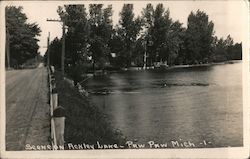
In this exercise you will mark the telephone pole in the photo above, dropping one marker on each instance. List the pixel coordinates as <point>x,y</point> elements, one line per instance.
<point>7,44</point>
<point>48,51</point>
<point>63,49</point>
<point>145,56</point>
<point>145,50</point>
<point>63,43</point>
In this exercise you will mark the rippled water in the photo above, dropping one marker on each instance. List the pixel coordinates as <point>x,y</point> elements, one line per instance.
<point>181,104</point>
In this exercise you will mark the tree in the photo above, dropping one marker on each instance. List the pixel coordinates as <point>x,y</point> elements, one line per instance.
<point>22,36</point>
<point>236,51</point>
<point>55,52</point>
<point>175,42</point>
<point>75,18</point>
<point>101,30</point>
<point>128,29</point>
<point>228,45</point>
<point>161,27</point>
<point>117,46</point>
<point>219,53</point>
<point>147,25</point>
<point>77,39</point>
<point>147,16</point>
<point>163,36</point>
<point>199,37</point>
<point>225,49</point>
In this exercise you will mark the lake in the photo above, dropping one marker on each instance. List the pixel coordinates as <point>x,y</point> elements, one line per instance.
<point>201,105</point>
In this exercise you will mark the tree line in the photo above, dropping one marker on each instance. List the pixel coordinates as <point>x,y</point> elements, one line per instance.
<point>21,38</point>
<point>93,42</point>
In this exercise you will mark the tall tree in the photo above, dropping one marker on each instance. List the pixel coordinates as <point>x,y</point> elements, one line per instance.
<point>148,23</point>
<point>228,45</point>
<point>101,30</point>
<point>174,43</point>
<point>22,36</point>
<point>55,52</point>
<point>199,37</point>
<point>117,46</point>
<point>129,29</point>
<point>75,18</point>
<point>162,23</point>
<point>147,16</point>
<point>164,37</point>
<point>77,39</point>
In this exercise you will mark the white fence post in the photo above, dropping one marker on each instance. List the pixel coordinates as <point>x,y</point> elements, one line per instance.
<point>54,98</point>
<point>57,113</point>
<point>52,68</point>
<point>51,86</point>
<point>59,118</point>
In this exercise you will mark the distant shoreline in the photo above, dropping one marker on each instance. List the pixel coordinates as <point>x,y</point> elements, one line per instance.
<point>207,64</point>
<point>176,66</point>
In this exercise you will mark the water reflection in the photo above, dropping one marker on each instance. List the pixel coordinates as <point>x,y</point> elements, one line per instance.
<point>194,104</point>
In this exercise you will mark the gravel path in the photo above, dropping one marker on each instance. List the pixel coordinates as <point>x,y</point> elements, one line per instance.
<point>27,111</point>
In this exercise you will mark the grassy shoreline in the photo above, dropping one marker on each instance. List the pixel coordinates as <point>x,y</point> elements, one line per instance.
<point>84,122</point>
<point>137,68</point>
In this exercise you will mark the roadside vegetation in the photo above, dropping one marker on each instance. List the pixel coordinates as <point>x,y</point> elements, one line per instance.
<point>21,39</point>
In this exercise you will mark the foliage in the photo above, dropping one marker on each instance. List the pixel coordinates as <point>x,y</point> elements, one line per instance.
<point>75,19</point>
<point>91,38</point>
<point>22,36</point>
<point>160,29</point>
<point>199,37</point>
<point>163,36</point>
<point>225,49</point>
<point>128,32</point>
<point>55,48</point>
<point>175,42</point>
<point>101,30</point>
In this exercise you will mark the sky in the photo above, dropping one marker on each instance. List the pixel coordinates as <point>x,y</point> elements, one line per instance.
<point>227,16</point>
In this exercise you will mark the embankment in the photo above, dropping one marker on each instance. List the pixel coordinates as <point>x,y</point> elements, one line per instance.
<point>84,123</point>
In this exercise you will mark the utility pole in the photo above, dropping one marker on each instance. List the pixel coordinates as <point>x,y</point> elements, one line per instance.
<point>145,57</point>
<point>145,52</point>
<point>63,49</point>
<point>48,51</point>
<point>7,44</point>
<point>63,43</point>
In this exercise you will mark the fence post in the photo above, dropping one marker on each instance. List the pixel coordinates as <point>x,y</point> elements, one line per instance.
<point>52,69</point>
<point>52,102</point>
<point>57,112</point>
<point>59,119</point>
<point>53,84</point>
<point>54,98</point>
<point>51,108</point>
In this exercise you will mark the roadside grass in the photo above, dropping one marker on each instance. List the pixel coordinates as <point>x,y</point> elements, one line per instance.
<point>84,123</point>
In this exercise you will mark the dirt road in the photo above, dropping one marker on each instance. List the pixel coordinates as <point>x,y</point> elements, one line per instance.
<point>27,111</point>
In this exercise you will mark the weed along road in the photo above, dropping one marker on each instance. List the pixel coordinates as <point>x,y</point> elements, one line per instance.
<point>27,110</point>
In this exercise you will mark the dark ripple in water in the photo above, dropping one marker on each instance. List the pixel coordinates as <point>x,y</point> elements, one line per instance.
<point>107,90</point>
<point>165,84</point>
